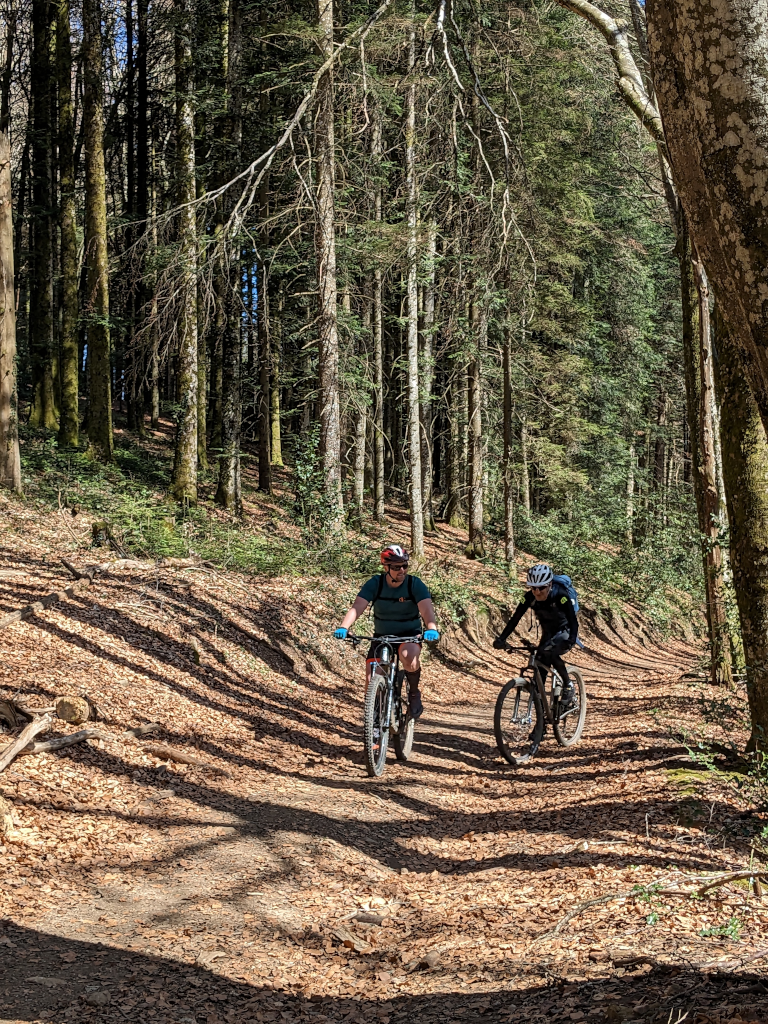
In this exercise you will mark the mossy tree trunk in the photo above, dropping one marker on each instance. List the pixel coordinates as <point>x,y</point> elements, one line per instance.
<point>69,424</point>
<point>476,545</point>
<point>96,257</point>
<point>184,482</point>
<point>10,468</point>
<point>427,378</point>
<point>509,507</point>
<point>745,470</point>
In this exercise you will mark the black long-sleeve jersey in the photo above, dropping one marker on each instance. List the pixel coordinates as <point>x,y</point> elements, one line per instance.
<point>555,613</point>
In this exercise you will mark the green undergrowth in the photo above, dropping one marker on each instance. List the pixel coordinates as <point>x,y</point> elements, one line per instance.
<point>131,495</point>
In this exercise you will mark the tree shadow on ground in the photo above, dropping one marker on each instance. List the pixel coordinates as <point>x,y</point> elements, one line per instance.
<point>50,978</point>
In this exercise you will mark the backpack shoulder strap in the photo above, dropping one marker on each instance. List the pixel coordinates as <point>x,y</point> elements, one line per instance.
<point>410,589</point>
<point>379,588</point>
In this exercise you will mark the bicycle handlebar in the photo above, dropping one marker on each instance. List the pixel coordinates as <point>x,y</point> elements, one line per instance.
<point>385,639</point>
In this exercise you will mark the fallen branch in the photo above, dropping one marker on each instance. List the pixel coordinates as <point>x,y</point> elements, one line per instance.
<point>27,735</point>
<point>64,741</point>
<point>141,730</point>
<point>732,876</point>
<point>171,754</point>
<point>38,606</point>
<point>733,965</point>
<point>578,910</point>
<point>87,575</point>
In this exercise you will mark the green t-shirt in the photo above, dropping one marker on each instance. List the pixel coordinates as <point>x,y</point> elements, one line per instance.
<point>394,613</point>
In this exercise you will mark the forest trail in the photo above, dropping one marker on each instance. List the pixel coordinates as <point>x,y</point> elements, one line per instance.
<point>132,889</point>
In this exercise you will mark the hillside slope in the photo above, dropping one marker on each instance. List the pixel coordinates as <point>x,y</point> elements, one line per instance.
<point>136,888</point>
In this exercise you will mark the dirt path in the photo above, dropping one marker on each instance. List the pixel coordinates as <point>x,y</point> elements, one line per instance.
<point>294,888</point>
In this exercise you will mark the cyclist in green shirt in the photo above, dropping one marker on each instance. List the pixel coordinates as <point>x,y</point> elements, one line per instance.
<point>400,603</point>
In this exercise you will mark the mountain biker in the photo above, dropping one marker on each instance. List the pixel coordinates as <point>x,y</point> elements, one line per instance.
<point>552,606</point>
<point>400,602</point>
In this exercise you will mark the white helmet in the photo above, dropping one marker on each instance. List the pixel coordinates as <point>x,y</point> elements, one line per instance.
<point>540,575</point>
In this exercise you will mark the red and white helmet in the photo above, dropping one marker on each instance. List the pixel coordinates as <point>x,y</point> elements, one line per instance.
<point>394,555</point>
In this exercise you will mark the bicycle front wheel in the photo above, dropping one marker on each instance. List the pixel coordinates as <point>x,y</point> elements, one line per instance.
<point>518,721</point>
<point>569,727</point>
<point>375,725</point>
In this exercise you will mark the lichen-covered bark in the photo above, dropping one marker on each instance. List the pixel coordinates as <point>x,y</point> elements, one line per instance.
<point>476,545</point>
<point>745,467</point>
<point>710,70</point>
<point>427,377</point>
<point>509,507</point>
<point>97,263</point>
<point>69,424</point>
<point>184,483</point>
<point>10,468</point>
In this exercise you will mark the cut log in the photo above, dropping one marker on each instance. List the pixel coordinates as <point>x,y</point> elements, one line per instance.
<point>27,735</point>
<point>74,710</point>
<point>166,753</point>
<point>141,730</point>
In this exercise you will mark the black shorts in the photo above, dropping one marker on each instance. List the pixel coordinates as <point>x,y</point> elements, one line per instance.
<point>375,645</point>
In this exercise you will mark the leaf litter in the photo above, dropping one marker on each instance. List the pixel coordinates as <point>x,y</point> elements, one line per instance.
<point>269,879</point>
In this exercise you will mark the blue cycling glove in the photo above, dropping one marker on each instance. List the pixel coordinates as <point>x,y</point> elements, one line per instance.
<point>430,635</point>
<point>341,633</point>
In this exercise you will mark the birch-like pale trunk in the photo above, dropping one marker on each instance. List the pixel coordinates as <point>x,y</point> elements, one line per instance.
<point>184,482</point>
<point>69,422</point>
<point>412,344</point>
<point>525,473</point>
<point>96,255</point>
<point>630,531</point>
<point>275,418</point>
<point>325,251</point>
<point>10,466</point>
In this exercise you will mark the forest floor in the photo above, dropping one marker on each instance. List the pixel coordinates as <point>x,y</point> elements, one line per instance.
<point>134,889</point>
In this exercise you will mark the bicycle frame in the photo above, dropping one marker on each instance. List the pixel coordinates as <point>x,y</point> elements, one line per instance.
<point>540,673</point>
<point>388,656</point>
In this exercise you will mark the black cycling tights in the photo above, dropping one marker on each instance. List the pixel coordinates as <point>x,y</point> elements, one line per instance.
<point>554,657</point>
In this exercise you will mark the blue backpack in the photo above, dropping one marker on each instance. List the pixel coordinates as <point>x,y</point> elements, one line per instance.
<point>567,584</point>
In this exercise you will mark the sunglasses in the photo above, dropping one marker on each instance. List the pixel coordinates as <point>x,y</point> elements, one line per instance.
<point>398,568</point>
<point>538,590</point>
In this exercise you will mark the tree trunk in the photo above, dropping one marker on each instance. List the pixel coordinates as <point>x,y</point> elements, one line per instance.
<point>427,378</point>
<point>525,480</point>
<point>509,505</point>
<point>184,483</point>
<point>10,467</point>
<point>228,493</point>
<point>710,71</point>
<point>325,248</point>
<point>630,534</point>
<point>453,510</point>
<point>265,368</point>
<point>476,545</point>
<point>44,411</point>
<point>96,255</point>
<point>412,353</point>
<point>720,644</point>
<point>69,426</point>
<point>5,101</point>
<point>745,468</point>
<point>276,448</point>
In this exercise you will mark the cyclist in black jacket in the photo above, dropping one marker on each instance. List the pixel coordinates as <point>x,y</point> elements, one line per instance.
<point>553,608</point>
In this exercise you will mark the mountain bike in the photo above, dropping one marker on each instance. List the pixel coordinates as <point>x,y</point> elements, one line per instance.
<point>523,709</point>
<point>386,710</point>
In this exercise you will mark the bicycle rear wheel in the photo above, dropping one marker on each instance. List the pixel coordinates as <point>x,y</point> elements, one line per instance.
<point>375,726</point>
<point>569,727</point>
<point>518,721</point>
